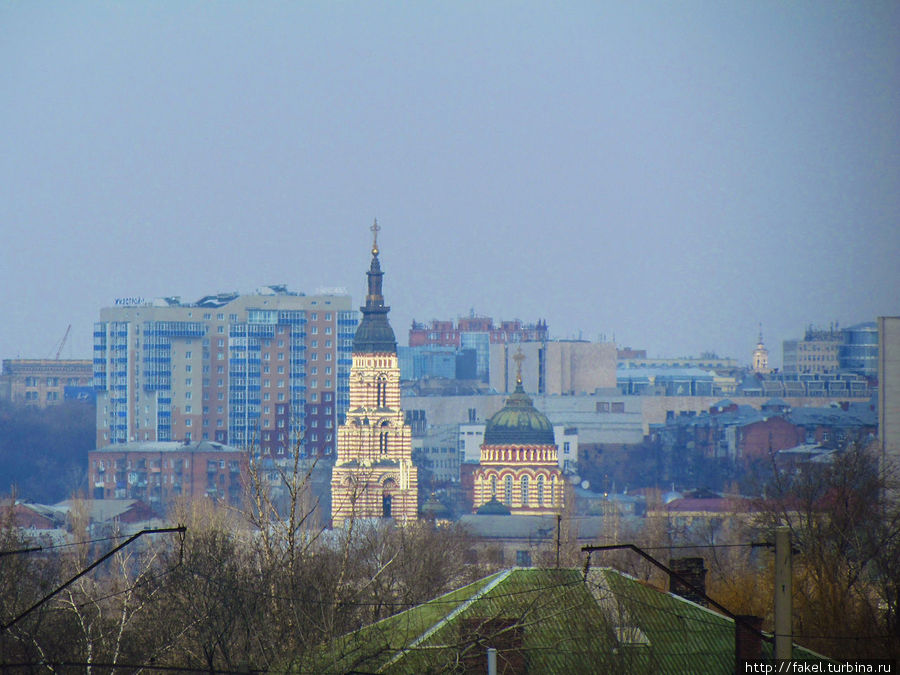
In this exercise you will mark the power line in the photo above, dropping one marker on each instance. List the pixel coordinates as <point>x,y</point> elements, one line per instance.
<point>181,529</point>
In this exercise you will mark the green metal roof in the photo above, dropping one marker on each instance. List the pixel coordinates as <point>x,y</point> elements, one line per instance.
<point>518,423</point>
<point>545,621</point>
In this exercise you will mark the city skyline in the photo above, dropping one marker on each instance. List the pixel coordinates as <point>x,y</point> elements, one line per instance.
<point>670,177</point>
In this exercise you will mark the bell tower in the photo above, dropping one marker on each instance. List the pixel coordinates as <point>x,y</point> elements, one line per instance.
<point>374,476</point>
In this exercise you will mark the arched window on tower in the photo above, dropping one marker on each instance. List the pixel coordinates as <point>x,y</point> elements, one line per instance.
<point>493,486</point>
<point>540,491</point>
<point>383,443</point>
<point>507,490</point>
<point>524,490</point>
<point>381,392</point>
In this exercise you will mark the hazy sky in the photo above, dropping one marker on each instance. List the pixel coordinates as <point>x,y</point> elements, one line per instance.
<point>668,173</point>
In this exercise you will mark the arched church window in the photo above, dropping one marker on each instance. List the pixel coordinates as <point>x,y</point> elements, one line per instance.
<point>493,486</point>
<point>540,491</point>
<point>507,490</point>
<point>381,392</point>
<point>524,490</point>
<point>383,442</point>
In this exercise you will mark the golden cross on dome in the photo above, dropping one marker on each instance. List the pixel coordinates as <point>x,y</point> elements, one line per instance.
<point>375,230</point>
<point>518,357</point>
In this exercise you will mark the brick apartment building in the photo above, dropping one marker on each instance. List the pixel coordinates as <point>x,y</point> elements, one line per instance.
<point>158,472</point>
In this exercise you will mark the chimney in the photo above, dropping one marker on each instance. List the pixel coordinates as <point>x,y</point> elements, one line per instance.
<point>693,571</point>
<point>747,639</point>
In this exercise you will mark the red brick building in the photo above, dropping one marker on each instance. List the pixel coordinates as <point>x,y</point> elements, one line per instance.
<point>158,472</point>
<point>446,334</point>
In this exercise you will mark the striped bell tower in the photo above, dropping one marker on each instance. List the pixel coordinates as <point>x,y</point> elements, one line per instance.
<point>374,476</point>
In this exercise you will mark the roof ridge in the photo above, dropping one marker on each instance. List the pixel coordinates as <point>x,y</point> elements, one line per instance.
<point>449,617</point>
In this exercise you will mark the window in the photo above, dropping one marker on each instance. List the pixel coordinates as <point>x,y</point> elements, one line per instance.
<point>314,370</point>
<point>220,329</point>
<point>187,409</point>
<point>220,316</point>
<point>566,447</point>
<point>493,486</point>
<point>187,355</point>
<point>281,396</point>
<point>523,559</point>
<point>221,396</point>
<point>221,342</point>
<point>281,370</point>
<point>220,370</point>
<point>267,396</point>
<point>507,490</point>
<point>540,491</point>
<point>187,396</point>
<point>314,343</point>
<point>618,407</point>
<point>281,356</point>
<point>524,490</point>
<point>188,382</point>
<point>187,422</point>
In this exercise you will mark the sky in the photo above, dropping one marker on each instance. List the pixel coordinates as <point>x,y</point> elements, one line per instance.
<point>668,175</point>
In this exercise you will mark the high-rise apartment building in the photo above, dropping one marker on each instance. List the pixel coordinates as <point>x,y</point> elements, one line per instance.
<point>268,370</point>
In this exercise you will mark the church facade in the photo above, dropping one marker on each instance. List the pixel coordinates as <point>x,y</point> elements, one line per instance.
<point>374,476</point>
<point>519,469</point>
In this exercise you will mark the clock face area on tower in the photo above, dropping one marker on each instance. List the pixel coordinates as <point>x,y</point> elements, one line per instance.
<point>374,476</point>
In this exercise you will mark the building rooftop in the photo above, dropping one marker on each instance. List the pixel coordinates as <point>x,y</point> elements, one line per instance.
<point>547,621</point>
<point>169,446</point>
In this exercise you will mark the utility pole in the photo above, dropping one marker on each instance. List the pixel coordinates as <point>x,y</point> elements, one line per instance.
<point>558,521</point>
<point>783,618</point>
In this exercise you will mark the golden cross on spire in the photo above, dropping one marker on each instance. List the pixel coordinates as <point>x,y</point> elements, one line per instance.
<point>518,357</point>
<point>375,230</point>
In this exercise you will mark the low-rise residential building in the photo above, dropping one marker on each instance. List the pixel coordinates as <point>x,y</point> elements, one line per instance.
<point>158,472</point>
<point>44,382</point>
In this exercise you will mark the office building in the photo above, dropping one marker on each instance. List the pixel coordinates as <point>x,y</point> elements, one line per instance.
<point>266,371</point>
<point>477,333</point>
<point>859,351</point>
<point>562,367</point>
<point>817,352</point>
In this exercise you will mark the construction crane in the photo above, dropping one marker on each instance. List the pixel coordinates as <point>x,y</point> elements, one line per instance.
<point>62,343</point>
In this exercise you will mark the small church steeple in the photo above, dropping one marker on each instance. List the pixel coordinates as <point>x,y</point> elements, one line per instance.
<point>761,355</point>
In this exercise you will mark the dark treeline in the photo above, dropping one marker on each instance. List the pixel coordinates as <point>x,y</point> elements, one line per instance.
<point>44,451</point>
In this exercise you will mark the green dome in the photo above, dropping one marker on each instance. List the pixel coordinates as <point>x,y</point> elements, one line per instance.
<point>518,423</point>
<point>493,508</point>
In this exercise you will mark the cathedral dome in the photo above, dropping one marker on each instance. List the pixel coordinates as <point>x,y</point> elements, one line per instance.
<point>519,423</point>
